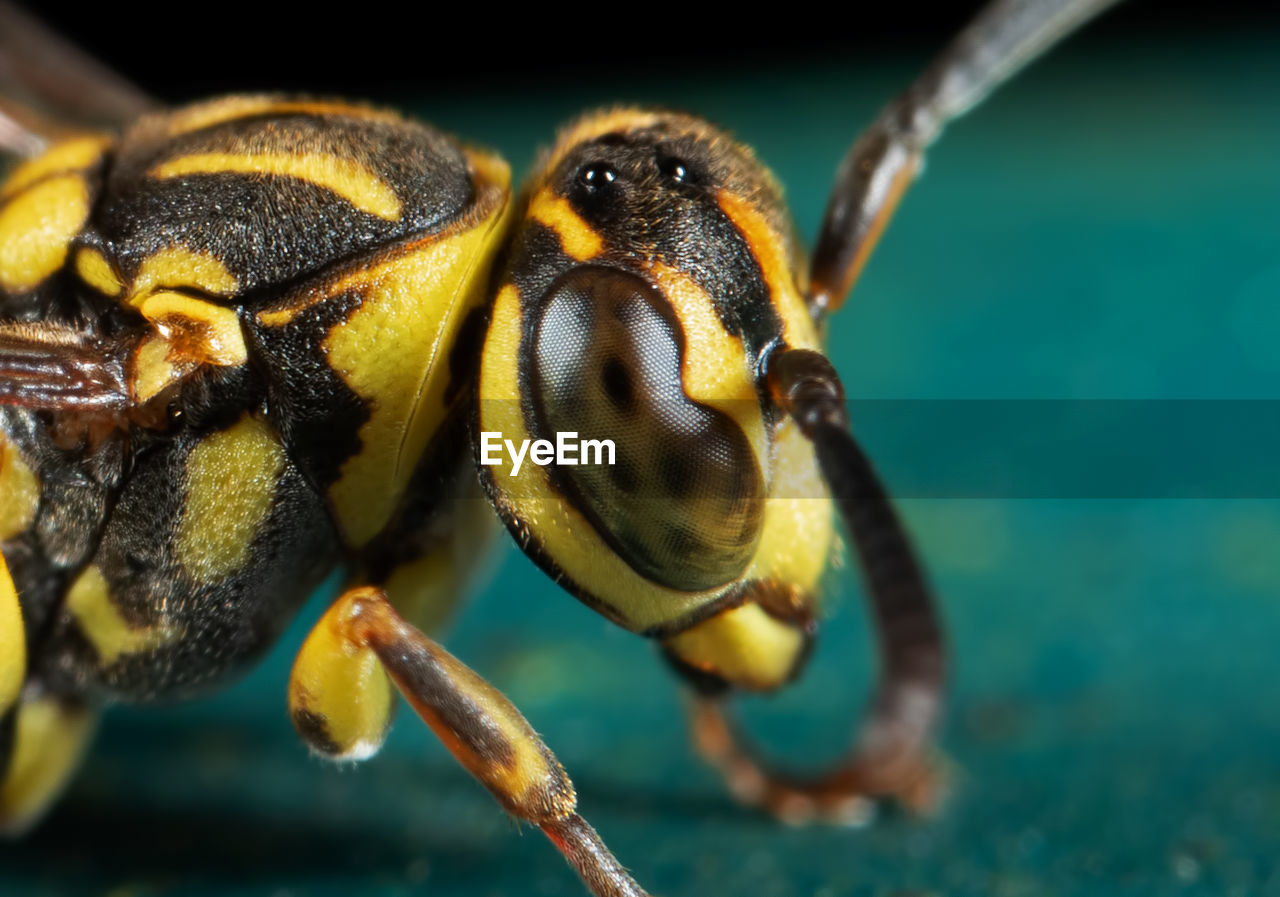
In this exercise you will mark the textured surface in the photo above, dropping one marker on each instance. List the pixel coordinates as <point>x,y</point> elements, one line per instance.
<point>1106,228</point>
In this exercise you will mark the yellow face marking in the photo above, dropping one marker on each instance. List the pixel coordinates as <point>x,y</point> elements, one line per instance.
<point>19,492</point>
<point>770,250</point>
<point>743,645</point>
<point>68,156</point>
<point>37,226</point>
<point>798,528</point>
<point>393,351</point>
<point>89,602</point>
<point>96,271</point>
<point>207,115</point>
<point>231,484</point>
<point>49,742</point>
<point>176,267</point>
<point>13,641</point>
<point>349,179</point>
<point>339,688</point>
<point>577,238</point>
<point>715,370</point>
<point>565,535</point>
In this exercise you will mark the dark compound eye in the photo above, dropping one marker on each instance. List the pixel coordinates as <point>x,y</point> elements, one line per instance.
<point>678,170</point>
<point>596,176</point>
<point>683,503</point>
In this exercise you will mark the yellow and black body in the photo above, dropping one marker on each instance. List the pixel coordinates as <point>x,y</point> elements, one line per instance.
<point>257,339</point>
<point>261,300</point>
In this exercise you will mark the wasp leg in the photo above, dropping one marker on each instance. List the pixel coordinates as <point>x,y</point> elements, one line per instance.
<point>42,737</point>
<point>892,755</point>
<point>340,699</point>
<point>476,722</point>
<point>48,738</point>
<point>883,161</point>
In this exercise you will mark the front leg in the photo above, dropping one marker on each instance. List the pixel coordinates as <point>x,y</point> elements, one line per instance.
<point>362,634</point>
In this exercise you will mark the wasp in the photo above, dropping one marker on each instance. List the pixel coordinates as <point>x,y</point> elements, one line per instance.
<point>256,339</point>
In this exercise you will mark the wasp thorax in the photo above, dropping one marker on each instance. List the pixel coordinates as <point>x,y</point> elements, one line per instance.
<point>682,503</point>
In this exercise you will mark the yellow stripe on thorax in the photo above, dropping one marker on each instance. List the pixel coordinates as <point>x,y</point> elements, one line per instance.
<point>189,332</point>
<point>231,479</point>
<point>212,331</point>
<point>68,156</point>
<point>349,179</point>
<point>37,227</point>
<point>99,620</point>
<point>96,271</point>
<point>13,641</point>
<point>177,267</point>
<point>19,491</point>
<point>393,353</point>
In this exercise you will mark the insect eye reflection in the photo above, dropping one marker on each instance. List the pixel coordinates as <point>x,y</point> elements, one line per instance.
<point>678,170</point>
<point>595,177</point>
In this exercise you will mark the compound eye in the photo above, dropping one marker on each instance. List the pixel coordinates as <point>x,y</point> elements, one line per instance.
<point>682,502</point>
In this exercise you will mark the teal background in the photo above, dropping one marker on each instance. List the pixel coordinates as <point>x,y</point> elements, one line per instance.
<point>1107,227</point>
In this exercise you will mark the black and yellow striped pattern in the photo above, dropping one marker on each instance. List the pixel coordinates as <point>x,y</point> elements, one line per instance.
<point>289,279</point>
<point>297,291</point>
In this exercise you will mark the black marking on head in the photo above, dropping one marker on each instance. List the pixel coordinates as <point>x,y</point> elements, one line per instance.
<point>660,201</point>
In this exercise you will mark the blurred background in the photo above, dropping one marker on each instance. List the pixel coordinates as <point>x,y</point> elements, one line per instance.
<point>1107,227</point>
